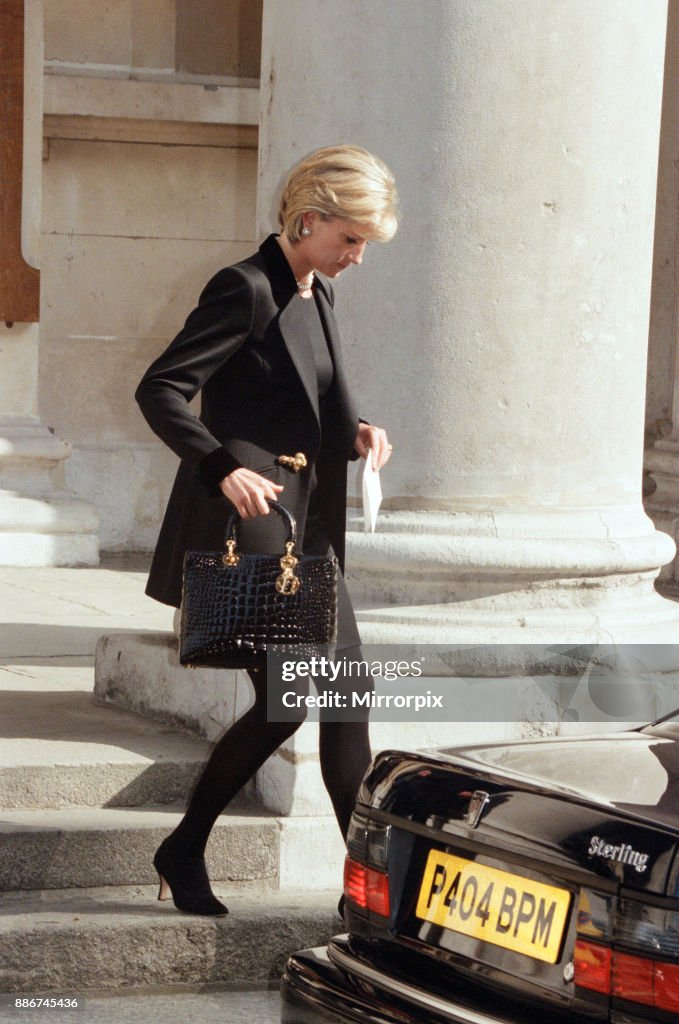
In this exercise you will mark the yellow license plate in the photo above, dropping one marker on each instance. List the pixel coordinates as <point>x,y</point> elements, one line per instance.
<point>495,906</point>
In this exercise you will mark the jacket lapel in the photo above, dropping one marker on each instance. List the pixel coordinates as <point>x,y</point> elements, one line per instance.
<point>290,323</point>
<point>345,420</point>
<point>341,424</point>
<point>298,343</point>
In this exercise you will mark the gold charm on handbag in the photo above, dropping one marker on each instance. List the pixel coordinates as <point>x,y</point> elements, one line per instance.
<point>231,557</point>
<point>287,583</point>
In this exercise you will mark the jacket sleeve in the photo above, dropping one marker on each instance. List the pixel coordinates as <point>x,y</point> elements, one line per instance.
<point>354,454</point>
<point>212,334</point>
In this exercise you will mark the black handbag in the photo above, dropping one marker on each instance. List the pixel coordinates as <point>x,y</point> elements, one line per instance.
<point>235,604</point>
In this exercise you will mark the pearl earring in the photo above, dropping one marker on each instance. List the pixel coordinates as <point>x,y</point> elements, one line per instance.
<point>306,232</point>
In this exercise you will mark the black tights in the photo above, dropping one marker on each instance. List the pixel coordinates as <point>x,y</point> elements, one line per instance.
<point>344,756</point>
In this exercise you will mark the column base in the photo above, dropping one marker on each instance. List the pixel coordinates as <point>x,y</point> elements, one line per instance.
<point>513,576</point>
<point>36,550</point>
<point>662,461</point>
<point>40,523</point>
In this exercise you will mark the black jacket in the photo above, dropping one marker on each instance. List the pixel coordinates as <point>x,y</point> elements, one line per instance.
<point>245,348</point>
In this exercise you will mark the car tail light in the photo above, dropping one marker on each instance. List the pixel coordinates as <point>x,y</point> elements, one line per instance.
<point>666,986</point>
<point>642,972</point>
<point>366,882</point>
<point>650,982</point>
<point>652,931</point>
<point>592,965</point>
<point>366,887</point>
<point>625,976</point>
<point>632,978</point>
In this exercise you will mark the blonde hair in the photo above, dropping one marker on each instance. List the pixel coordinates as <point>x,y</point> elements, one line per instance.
<point>346,182</point>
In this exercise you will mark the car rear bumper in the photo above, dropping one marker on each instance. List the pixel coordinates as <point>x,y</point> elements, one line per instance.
<point>316,989</point>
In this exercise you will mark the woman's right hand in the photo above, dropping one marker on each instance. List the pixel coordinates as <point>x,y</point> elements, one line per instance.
<point>249,492</point>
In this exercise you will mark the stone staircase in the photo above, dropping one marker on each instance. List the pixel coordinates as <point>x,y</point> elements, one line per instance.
<point>87,792</point>
<point>78,908</point>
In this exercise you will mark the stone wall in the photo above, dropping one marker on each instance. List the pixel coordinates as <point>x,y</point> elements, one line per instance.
<point>149,188</point>
<point>206,37</point>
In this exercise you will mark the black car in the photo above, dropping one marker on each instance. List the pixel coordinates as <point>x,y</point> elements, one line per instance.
<point>528,881</point>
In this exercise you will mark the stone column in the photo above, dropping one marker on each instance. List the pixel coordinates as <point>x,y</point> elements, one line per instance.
<point>501,337</point>
<point>40,523</point>
<point>662,392</point>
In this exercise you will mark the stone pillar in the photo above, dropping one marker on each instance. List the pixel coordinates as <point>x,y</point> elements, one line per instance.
<point>40,523</point>
<point>662,391</point>
<point>501,337</point>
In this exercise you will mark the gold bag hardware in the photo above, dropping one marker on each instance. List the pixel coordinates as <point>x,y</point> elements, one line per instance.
<point>287,582</point>
<point>231,557</point>
<point>293,462</point>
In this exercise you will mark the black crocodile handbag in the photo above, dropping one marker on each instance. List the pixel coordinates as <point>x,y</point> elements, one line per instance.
<point>235,604</point>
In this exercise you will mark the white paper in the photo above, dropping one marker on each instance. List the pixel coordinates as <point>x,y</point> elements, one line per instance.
<point>372,494</point>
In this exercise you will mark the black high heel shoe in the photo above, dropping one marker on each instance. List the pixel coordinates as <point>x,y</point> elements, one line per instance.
<point>186,880</point>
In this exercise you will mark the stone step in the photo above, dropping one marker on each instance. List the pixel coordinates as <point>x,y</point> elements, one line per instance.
<point>60,748</point>
<point>72,942</point>
<point>84,847</point>
<point>102,784</point>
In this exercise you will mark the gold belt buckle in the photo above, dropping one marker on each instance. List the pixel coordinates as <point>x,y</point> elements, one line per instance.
<point>293,462</point>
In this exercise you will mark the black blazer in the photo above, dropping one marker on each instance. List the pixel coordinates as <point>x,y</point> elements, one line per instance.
<point>246,349</point>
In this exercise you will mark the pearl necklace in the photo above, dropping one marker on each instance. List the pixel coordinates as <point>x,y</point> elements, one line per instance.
<point>304,286</point>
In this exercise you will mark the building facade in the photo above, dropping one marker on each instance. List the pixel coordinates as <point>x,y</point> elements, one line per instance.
<point>508,353</point>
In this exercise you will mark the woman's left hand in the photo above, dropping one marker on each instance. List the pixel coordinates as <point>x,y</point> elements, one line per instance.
<point>373,439</point>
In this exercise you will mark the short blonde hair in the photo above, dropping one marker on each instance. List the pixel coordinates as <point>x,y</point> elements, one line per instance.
<point>346,182</point>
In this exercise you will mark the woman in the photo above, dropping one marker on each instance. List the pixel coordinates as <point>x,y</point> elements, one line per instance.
<point>263,349</point>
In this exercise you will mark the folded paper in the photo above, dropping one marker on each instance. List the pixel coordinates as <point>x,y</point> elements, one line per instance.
<point>372,494</point>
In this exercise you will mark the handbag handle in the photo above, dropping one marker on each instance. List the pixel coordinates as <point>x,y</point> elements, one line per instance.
<point>287,583</point>
<point>275,506</point>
